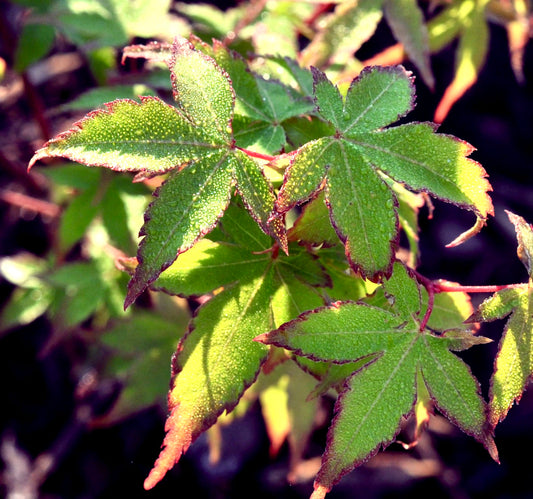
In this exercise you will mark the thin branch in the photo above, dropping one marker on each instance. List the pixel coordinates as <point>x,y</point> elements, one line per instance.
<point>440,286</point>
<point>429,311</point>
<point>444,287</point>
<point>27,202</point>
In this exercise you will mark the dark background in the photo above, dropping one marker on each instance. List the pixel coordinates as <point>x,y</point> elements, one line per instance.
<point>40,395</point>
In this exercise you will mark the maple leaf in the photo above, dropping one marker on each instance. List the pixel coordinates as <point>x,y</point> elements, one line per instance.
<point>193,141</point>
<point>217,359</point>
<point>385,389</point>
<point>262,106</point>
<point>513,367</point>
<point>352,166</point>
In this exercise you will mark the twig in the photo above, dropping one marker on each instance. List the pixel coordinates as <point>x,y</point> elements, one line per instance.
<point>27,202</point>
<point>440,286</point>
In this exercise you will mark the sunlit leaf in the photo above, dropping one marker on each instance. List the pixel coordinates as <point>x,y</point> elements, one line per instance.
<point>195,140</point>
<point>382,392</point>
<point>363,209</point>
<point>513,367</point>
<point>217,360</point>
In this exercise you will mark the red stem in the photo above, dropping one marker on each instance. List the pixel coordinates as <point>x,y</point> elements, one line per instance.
<point>433,287</point>
<point>257,155</point>
<point>429,311</point>
<point>37,106</point>
<point>441,287</point>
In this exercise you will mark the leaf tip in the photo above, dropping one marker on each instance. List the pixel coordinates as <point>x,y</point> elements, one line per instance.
<point>490,445</point>
<point>276,226</point>
<point>174,445</point>
<point>524,236</point>
<point>465,236</point>
<point>262,338</point>
<point>39,154</point>
<point>135,288</point>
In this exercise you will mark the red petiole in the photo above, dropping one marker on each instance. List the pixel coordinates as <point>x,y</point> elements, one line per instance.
<point>433,287</point>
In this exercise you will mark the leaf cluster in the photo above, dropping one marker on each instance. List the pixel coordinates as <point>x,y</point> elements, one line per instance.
<point>281,194</point>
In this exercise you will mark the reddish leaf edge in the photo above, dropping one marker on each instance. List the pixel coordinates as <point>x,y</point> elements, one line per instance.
<point>276,336</point>
<point>174,445</point>
<point>394,242</point>
<point>77,127</point>
<point>322,486</point>
<point>136,285</point>
<point>486,436</point>
<point>320,77</point>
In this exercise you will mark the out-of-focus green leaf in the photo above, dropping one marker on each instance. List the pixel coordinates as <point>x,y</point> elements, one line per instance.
<point>23,270</point>
<point>34,43</point>
<point>406,21</point>
<point>123,205</point>
<point>97,97</point>
<point>471,52</point>
<point>72,175</point>
<point>287,411</point>
<point>351,24</point>
<point>77,217</point>
<point>141,347</point>
<point>24,306</point>
<point>82,292</point>
<point>209,20</point>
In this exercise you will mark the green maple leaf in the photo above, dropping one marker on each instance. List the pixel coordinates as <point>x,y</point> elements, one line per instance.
<point>262,106</point>
<point>353,164</point>
<point>194,141</point>
<point>380,394</point>
<point>217,359</point>
<point>513,367</point>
